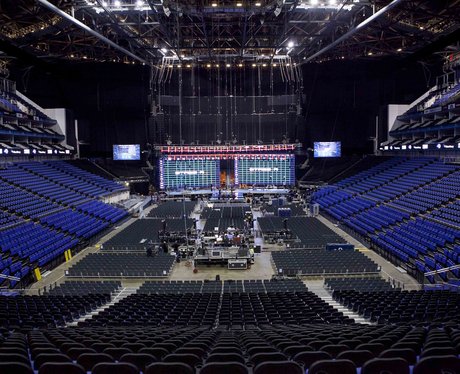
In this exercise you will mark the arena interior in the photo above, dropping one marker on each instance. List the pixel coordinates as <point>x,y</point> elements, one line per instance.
<point>229,186</point>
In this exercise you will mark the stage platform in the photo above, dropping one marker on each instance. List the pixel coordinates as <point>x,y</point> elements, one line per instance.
<point>235,193</point>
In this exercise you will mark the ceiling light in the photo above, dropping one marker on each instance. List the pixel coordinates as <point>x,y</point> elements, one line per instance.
<point>240,65</point>
<point>140,3</point>
<point>117,3</point>
<point>239,4</point>
<point>208,65</point>
<point>217,65</point>
<point>164,50</point>
<point>274,65</point>
<point>214,5</point>
<point>228,65</point>
<point>399,49</point>
<point>370,54</point>
<point>104,3</point>
<point>314,2</point>
<point>264,65</point>
<point>332,2</point>
<point>189,66</point>
<point>257,4</point>
<point>291,44</point>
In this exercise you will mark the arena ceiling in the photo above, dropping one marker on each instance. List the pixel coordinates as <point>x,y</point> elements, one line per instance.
<point>230,31</point>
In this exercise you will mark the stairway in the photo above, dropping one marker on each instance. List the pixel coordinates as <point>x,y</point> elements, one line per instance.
<point>318,289</point>
<point>119,295</point>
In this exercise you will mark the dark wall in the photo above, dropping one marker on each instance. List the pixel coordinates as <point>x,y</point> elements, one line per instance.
<point>343,98</point>
<point>340,101</point>
<point>109,100</point>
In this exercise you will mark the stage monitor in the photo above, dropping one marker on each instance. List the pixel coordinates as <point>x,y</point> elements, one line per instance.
<point>327,149</point>
<point>191,173</point>
<point>126,152</point>
<point>265,170</point>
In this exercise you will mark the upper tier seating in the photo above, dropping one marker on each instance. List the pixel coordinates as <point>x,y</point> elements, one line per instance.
<point>311,262</point>
<point>122,265</point>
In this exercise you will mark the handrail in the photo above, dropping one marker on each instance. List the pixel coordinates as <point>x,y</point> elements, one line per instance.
<point>441,271</point>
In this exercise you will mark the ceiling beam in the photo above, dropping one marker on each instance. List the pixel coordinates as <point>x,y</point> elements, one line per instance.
<point>353,31</point>
<point>89,30</point>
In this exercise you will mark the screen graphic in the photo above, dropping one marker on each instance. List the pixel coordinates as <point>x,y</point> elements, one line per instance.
<point>126,152</point>
<point>265,170</point>
<point>327,149</point>
<point>176,173</point>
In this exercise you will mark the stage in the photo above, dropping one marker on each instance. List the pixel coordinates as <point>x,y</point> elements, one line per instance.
<point>237,193</point>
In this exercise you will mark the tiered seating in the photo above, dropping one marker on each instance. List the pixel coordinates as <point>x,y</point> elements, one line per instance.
<point>448,214</point>
<point>19,175</point>
<point>349,207</point>
<point>122,265</point>
<point>34,243</point>
<point>173,209</point>
<point>358,284</point>
<point>375,219</point>
<point>75,223</point>
<point>431,195</point>
<point>415,238</point>
<point>322,262</point>
<point>89,178</point>
<point>29,312</point>
<point>101,210</point>
<point>422,307</point>
<point>232,310</point>
<point>228,286</point>
<point>24,203</point>
<point>293,349</point>
<point>85,288</point>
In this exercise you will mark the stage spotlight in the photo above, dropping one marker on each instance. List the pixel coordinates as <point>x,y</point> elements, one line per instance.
<point>117,3</point>
<point>164,50</point>
<point>291,44</point>
<point>140,3</point>
<point>314,2</point>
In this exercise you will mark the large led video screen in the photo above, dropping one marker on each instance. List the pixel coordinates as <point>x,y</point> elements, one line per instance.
<point>278,170</point>
<point>182,173</point>
<point>126,152</point>
<point>327,149</point>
